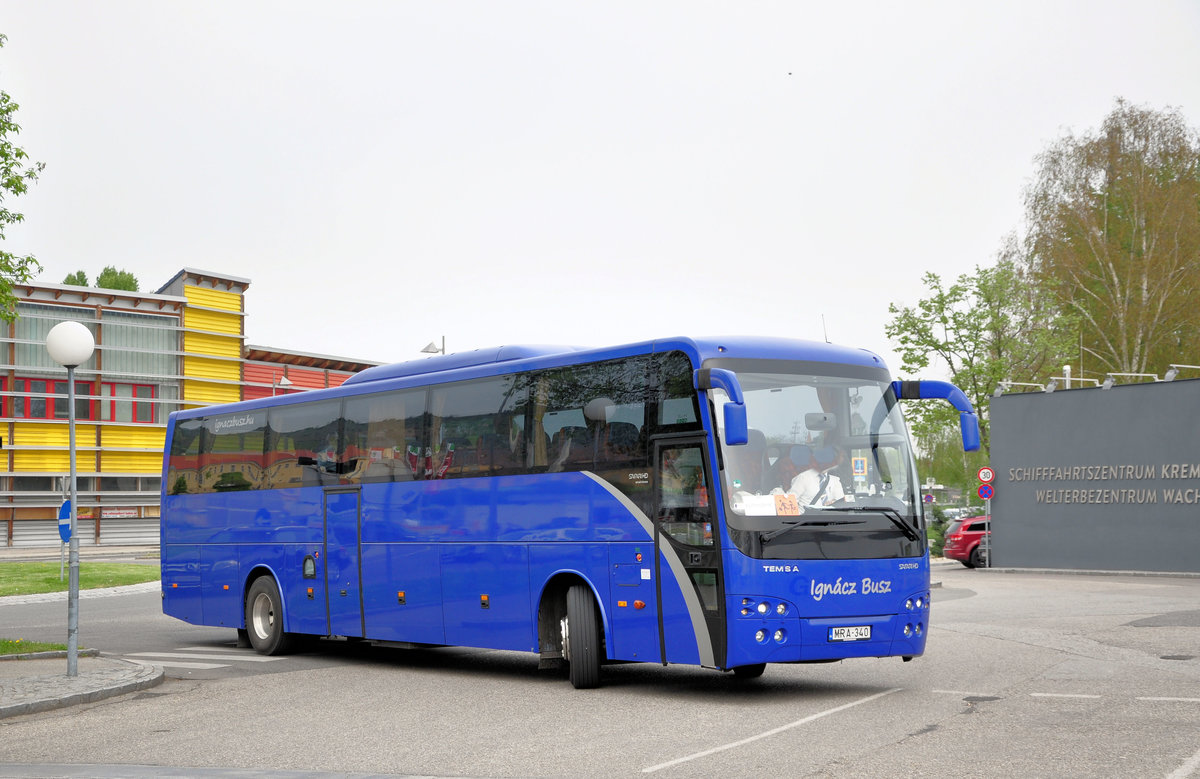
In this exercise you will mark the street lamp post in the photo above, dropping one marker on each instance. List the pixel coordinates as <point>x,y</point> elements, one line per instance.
<point>71,344</point>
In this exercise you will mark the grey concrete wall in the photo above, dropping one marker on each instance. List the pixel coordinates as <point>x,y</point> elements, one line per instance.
<point>1098,479</point>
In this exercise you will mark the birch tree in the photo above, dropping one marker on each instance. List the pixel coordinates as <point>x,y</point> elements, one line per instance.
<point>1114,230</point>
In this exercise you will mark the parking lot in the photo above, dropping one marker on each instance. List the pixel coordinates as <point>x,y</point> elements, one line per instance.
<point>1026,674</point>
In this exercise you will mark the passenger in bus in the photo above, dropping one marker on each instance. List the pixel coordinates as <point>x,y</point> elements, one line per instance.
<point>790,464</point>
<point>819,486</point>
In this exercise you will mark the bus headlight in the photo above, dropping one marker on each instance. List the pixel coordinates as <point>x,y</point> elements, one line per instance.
<point>908,631</point>
<point>760,636</point>
<point>763,608</point>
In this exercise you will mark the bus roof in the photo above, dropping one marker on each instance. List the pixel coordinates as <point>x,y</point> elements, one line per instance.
<point>738,347</point>
<point>497,360</point>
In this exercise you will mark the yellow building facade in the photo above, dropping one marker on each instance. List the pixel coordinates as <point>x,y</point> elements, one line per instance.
<point>182,346</point>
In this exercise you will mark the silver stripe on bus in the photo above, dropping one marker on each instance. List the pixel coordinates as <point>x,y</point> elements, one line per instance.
<point>690,598</point>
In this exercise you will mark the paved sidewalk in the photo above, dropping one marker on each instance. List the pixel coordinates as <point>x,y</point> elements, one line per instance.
<point>39,682</point>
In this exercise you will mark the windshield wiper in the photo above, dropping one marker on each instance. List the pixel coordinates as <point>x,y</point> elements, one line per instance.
<point>795,523</point>
<point>909,531</point>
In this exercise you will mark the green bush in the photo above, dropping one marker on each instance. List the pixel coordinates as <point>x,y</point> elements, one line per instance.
<point>936,530</point>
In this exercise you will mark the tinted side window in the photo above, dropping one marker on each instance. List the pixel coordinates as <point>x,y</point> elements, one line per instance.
<point>589,417</point>
<point>383,437</point>
<point>476,428</point>
<point>302,445</point>
<point>231,454</point>
<point>183,466</point>
<point>678,408</point>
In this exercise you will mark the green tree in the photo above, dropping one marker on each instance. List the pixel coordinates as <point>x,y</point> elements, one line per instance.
<point>1114,226</point>
<point>111,278</point>
<point>16,174</point>
<point>989,326</point>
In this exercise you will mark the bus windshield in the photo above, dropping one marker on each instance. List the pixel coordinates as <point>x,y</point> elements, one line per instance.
<point>828,471</point>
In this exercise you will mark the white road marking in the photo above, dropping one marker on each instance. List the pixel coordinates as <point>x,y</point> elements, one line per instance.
<point>1060,695</point>
<point>768,733</point>
<point>1175,700</point>
<point>177,664</point>
<point>1187,769</point>
<point>247,658</point>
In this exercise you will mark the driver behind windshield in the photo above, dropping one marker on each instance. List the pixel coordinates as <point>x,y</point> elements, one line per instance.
<point>816,484</point>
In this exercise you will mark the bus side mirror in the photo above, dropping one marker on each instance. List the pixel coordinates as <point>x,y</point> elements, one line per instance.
<point>968,421</point>
<point>737,431</point>
<point>970,431</point>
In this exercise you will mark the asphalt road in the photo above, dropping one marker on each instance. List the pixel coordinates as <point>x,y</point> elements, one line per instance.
<point>1025,675</point>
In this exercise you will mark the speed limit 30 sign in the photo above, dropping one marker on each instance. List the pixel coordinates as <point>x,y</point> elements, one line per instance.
<point>986,475</point>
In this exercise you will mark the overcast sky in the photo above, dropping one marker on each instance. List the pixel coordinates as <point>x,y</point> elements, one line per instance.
<point>389,173</point>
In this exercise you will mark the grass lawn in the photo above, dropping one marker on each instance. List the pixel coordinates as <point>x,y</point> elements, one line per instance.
<point>17,646</point>
<point>37,577</point>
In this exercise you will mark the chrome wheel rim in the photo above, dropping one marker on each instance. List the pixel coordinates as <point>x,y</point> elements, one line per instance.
<point>262,616</point>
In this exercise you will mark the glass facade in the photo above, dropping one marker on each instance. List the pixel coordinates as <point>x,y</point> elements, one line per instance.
<point>179,347</point>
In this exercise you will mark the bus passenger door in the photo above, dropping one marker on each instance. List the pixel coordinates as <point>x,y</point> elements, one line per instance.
<point>690,582</point>
<point>343,555</point>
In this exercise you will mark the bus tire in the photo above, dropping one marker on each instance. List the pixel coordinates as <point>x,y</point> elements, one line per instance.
<point>749,671</point>
<point>264,618</point>
<point>581,638</point>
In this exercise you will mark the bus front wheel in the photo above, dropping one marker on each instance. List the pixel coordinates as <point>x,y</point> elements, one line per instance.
<point>264,618</point>
<point>581,638</point>
<point>749,671</point>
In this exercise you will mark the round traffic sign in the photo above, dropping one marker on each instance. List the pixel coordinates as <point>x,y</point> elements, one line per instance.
<point>64,521</point>
<point>986,475</point>
<point>986,492</point>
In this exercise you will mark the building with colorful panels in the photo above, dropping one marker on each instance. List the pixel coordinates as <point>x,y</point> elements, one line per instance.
<point>180,347</point>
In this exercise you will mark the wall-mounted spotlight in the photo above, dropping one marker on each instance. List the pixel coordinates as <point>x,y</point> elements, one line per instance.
<point>1173,371</point>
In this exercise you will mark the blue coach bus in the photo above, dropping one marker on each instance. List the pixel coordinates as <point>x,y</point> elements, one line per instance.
<point>648,502</point>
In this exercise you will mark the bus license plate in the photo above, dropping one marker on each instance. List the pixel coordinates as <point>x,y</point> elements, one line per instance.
<point>850,633</point>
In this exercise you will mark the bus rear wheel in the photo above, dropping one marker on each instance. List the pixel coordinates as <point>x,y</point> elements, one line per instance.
<point>264,618</point>
<point>581,638</point>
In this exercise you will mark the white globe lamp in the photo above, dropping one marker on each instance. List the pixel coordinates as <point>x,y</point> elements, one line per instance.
<point>70,344</point>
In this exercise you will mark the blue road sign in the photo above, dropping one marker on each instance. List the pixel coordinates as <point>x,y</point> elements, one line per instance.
<point>986,492</point>
<point>64,521</point>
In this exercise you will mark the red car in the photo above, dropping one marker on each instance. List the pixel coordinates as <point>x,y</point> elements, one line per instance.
<point>964,541</point>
